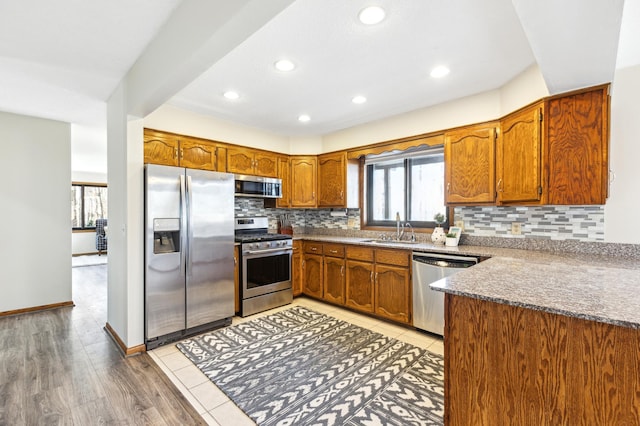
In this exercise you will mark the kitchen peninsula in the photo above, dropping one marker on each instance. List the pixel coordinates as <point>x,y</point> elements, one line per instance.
<point>538,341</point>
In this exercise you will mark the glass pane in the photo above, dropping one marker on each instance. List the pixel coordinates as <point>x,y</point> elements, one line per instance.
<point>379,194</point>
<point>76,207</point>
<point>396,192</point>
<point>427,191</point>
<point>95,205</point>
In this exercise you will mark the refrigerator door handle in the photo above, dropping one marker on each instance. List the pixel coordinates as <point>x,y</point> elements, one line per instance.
<point>183,223</point>
<point>189,224</point>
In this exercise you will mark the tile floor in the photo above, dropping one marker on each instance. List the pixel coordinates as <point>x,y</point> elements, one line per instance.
<point>214,406</point>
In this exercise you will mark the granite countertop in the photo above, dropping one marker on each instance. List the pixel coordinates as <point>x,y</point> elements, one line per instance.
<point>589,286</point>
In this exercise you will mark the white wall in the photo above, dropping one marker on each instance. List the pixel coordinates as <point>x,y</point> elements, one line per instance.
<point>623,205</point>
<point>523,89</point>
<point>35,171</point>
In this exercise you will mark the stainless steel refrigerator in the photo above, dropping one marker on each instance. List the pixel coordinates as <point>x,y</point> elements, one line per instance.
<point>189,238</point>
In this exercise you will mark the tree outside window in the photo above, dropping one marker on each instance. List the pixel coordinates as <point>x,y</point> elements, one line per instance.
<point>88,203</point>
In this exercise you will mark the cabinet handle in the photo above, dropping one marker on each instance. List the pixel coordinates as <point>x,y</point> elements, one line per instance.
<point>333,251</point>
<point>448,187</point>
<point>235,260</point>
<point>500,185</point>
<point>313,195</point>
<point>376,277</point>
<point>371,276</point>
<point>342,270</point>
<point>175,153</point>
<point>314,248</point>
<point>342,195</point>
<point>181,153</point>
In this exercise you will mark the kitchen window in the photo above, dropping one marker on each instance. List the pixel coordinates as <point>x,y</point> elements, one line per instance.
<point>88,203</point>
<point>410,183</point>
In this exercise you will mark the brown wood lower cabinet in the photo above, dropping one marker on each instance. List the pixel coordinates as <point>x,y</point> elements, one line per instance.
<point>296,268</point>
<point>393,295</point>
<point>507,365</point>
<point>369,280</point>
<point>333,276</point>
<point>312,269</point>
<point>236,276</point>
<point>359,285</point>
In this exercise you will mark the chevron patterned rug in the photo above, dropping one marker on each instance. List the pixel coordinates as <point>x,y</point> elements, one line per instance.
<point>299,367</point>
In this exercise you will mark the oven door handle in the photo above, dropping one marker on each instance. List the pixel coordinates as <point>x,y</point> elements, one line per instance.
<point>281,250</point>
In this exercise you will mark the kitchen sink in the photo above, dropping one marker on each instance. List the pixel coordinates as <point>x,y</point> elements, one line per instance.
<point>378,241</point>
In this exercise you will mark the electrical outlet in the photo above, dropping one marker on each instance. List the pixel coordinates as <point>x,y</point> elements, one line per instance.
<point>459,224</point>
<point>516,228</point>
<point>351,222</point>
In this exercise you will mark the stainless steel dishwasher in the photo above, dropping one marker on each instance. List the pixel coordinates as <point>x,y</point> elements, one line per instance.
<point>428,305</point>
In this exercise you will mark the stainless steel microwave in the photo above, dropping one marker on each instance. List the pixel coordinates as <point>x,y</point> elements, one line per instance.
<point>258,187</point>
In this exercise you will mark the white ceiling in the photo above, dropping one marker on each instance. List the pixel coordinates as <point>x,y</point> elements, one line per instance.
<point>62,59</point>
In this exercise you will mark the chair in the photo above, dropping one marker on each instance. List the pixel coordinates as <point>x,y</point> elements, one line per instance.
<point>101,235</point>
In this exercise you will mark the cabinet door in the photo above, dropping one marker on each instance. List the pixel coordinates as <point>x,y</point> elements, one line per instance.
<point>284,173</point>
<point>265,164</point>
<point>519,156</point>
<point>197,155</point>
<point>393,293</point>
<point>469,158</point>
<point>240,160</point>
<point>236,276</point>
<point>312,268</point>
<point>160,149</point>
<point>359,285</point>
<point>296,268</point>
<point>303,177</point>
<point>334,279</point>
<point>332,180</point>
<point>577,139</point>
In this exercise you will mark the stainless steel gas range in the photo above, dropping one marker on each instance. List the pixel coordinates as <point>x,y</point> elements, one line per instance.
<point>265,265</point>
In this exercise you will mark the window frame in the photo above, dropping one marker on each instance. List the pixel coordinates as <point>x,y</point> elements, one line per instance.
<point>387,225</point>
<point>84,185</point>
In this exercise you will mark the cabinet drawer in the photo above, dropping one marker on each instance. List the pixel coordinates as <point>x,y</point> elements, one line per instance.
<point>297,246</point>
<point>393,257</point>
<point>334,250</point>
<point>360,253</point>
<point>312,247</point>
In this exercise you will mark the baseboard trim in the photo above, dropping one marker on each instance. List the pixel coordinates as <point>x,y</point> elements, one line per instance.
<point>37,308</point>
<point>134,350</point>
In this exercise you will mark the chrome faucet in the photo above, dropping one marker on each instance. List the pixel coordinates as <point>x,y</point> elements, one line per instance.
<point>413,234</point>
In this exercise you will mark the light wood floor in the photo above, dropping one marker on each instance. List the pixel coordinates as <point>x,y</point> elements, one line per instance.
<point>60,367</point>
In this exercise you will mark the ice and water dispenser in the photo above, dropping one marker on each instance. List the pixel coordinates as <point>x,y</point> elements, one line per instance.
<point>166,235</point>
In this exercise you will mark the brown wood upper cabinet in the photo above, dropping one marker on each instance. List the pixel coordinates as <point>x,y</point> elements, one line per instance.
<point>284,173</point>
<point>251,162</point>
<point>174,150</point>
<point>304,181</point>
<point>577,128</point>
<point>519,156</point>
<point>469,158</point>
<point>337,181</point>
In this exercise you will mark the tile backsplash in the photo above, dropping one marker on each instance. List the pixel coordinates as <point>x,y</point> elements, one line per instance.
<point>576,223</point>
<point>572,223</point>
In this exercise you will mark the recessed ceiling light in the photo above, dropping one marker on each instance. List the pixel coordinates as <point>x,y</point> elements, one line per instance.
<point>359,99</point>
<point>284,65</point>
<point>371,15</point>
<point>230,94</point>
<point>439,71</point>
<point>304,118</point>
